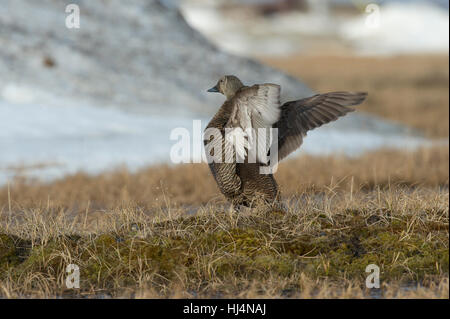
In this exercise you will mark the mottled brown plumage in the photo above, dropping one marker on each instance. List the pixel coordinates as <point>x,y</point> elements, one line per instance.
<point>259,106</point>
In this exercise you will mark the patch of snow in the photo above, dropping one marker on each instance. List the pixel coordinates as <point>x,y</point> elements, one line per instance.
<point>403,28</point>
<point>52,141</point>
<point>406,27</point>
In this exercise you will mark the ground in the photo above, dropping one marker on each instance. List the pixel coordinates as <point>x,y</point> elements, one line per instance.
<point>167,232</point>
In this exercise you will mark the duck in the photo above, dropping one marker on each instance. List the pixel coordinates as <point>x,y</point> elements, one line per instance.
<point>243,160</point>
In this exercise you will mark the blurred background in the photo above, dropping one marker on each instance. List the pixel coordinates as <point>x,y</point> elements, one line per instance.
<point>110,92</point>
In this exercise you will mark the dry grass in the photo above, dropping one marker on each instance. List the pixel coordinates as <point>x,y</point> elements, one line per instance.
<point>408,89</point>
<point>320,247</point>
<point>427,167</point>
<point>192,184</point>
<point>132,237</point>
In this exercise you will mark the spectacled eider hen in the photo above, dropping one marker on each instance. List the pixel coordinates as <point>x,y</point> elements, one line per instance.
<point>237,155</point>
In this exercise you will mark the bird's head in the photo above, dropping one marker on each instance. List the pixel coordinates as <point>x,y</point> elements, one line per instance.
<point>228,85</point>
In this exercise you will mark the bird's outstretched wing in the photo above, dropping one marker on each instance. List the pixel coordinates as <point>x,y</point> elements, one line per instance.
<point>254,111</point>
<point>298,117</point>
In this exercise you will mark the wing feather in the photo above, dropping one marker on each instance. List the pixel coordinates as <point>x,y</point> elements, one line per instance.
<point>256,107</point>
<point>299,117</point>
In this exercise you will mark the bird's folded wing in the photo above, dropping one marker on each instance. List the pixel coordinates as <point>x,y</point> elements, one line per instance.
<point>223,163</point>
<point>256,107</point>
<point>298,117</point>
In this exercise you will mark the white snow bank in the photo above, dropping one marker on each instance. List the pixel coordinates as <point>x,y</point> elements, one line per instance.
<point>403,28</point>
<point>67,139</point>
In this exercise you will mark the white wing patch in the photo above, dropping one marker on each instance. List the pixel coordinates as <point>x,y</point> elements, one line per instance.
<point>239,139</point>
<point>252,118</point>
<point>266,104</point>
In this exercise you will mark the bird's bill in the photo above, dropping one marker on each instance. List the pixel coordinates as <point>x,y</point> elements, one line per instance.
<point>214,90</point>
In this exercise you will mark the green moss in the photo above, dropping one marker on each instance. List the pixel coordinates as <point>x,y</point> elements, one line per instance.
<point>9,255</point>
<point>111,260</point>
<point>13,251</point>
<point>7,249</point>
<point>259,248</point>
<point>246,242</point>
<point>283,265</point>
<point>51,257</point>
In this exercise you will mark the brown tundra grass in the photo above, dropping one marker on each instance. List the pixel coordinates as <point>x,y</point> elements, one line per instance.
<point>134,236</point>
